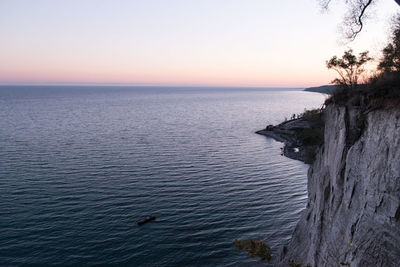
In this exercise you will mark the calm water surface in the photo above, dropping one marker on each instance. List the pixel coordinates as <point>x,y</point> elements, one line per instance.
<point>79,166</point>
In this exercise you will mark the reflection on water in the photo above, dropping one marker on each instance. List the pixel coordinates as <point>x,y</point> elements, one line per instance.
<point>80,166</point>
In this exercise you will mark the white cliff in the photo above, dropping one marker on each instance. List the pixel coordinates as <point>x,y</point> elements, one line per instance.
<point>353,213</point>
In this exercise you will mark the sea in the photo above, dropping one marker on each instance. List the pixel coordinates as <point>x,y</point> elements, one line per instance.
<point>81,165</point>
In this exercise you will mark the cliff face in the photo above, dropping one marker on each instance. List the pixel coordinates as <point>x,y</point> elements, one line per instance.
<point>353,213</point>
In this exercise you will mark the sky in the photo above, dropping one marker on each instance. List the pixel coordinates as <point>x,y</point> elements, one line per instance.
<point>263,43</point>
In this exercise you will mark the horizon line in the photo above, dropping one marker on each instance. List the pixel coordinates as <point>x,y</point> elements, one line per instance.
<point>145,85</point>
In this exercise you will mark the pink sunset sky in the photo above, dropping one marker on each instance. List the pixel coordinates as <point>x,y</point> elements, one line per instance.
<point>176,42</point>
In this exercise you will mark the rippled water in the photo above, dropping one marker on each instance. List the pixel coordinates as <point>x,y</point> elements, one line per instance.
<point>79,166</point>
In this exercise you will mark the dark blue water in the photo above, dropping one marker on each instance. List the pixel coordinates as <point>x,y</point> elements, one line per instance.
<point>79,166</point>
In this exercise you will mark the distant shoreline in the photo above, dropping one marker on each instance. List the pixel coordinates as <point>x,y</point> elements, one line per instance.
<point>324,89</point>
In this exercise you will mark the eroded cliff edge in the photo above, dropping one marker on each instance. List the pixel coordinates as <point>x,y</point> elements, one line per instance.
<point>352,216</point>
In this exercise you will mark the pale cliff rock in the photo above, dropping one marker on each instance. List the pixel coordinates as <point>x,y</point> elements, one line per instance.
<point>353,213</point>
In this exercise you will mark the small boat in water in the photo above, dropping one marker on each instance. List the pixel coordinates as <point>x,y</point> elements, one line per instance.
<point>146,220</point>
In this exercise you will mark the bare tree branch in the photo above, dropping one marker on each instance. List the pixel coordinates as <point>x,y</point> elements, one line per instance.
<point>362,14</point>
<point>353,22</point>
<point>325,3</point>
<point>355,18</point>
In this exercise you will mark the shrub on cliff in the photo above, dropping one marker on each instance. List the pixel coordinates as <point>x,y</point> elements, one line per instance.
<point>255,248</point>
<point>386,84</point>
<point>314,116</point>
<point>390,61</point>
<point>312,138</point>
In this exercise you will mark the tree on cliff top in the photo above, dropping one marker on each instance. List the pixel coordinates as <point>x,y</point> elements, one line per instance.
<point>349,67</point>
<point>382,88</point>
<point>390,61</point>
<point>386,83</point>
<point>353,22</point>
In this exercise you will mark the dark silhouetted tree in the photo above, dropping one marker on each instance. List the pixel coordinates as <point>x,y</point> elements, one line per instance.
<point>349,67</point>
<point>386,83</point>
<point>390,61</point>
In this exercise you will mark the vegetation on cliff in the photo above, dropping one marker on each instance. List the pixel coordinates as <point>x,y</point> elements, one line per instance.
<point>302,135</point>
<point>312,138</point>
<point>382,89</point>
<point>255,248</point>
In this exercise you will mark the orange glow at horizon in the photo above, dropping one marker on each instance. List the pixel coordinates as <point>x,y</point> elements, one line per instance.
<point>179,71</point>
<point>189,77</point>
<point>205,43</point>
